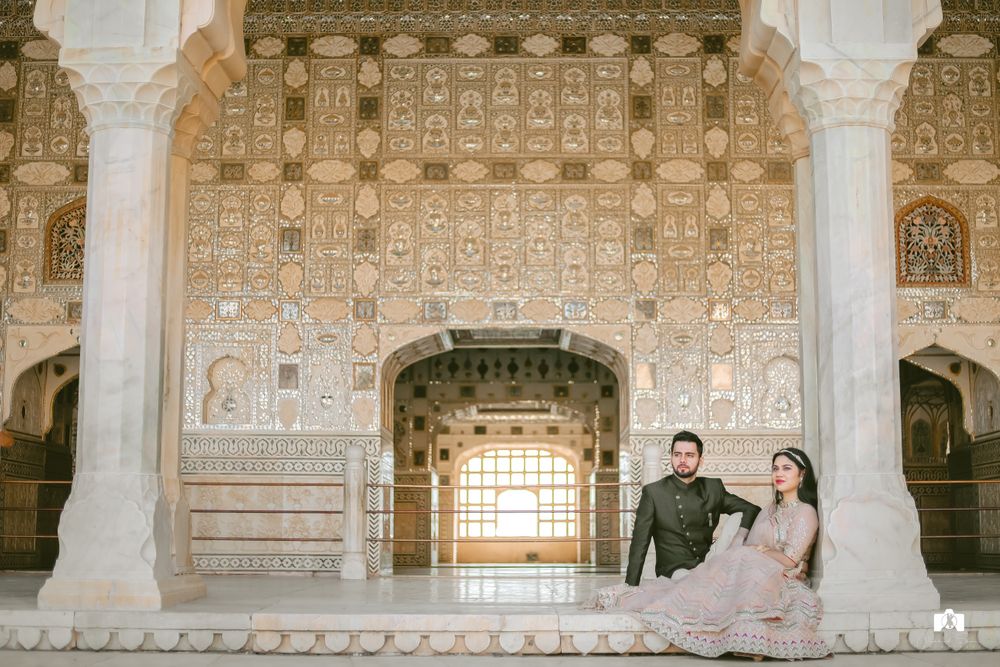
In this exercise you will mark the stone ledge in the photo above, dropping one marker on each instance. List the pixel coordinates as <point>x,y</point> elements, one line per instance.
<point>579,633</point>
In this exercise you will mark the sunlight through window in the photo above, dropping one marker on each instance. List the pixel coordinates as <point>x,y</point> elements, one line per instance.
<point>536,474</point>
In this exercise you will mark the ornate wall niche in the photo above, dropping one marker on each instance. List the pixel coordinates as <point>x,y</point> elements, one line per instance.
<point>227,402</point>
<point>64,239</point>
<point>932,245</point>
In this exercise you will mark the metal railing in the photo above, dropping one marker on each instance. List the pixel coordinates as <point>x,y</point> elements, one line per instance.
<point>952,483</point>
<point>577,512</point>
<point>200,510</point>
<point>32,482</point>
<point>452,511</point>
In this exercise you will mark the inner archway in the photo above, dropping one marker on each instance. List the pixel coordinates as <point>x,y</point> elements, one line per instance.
<point>496,450</point>
<point>948,418</point>
<point>37,460</point>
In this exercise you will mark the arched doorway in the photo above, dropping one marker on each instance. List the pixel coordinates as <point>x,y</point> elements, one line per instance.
<point>498,442</point>
<point>948,419</point>
<point>38,460</point>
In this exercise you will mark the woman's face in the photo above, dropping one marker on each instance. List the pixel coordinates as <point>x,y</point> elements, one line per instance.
<point>785,475</point>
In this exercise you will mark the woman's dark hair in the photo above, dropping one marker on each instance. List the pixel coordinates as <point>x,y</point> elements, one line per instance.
<point>687,436</point>
<point>808,492</point>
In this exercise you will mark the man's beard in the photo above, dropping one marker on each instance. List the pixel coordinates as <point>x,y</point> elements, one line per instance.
<point>685,474</point>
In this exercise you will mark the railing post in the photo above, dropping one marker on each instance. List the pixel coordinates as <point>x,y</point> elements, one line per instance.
<point>353,565</point>
<point>652,471</point>
<point>652,468</point>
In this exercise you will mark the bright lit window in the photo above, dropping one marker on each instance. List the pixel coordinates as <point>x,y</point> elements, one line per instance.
<point>486,483</point>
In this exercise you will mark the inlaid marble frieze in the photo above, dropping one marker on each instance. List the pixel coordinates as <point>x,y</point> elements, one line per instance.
<point>543,174</point>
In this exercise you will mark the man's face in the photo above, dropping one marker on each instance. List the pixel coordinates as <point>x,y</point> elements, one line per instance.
<point>685,459</point>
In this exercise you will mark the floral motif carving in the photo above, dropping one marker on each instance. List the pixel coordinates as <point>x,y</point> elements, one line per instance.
<point>471,45</point>
<point>328,310</point>
<point>642,72</point>
<point>8,77</point>
<point>41,49</point>
<point>642,142</point>
<point>402,46</point>
<point>262,172</point>
<point>680,171</point>
<point>977,309</point>
<point>268,47</point>
<point>334,46</point>
<point>677,44</point>
<point>289,342</point>
<point>331,171</point>
<point>965,46</point>
<point>683,309</point>
<point>540,45</point>
<point>368,141</point>
<point>400,171</point>
<point>608,44</point>
<point>294,140</point>
<point>470,171</point>
<point>41,173</point>
<point>35,310</point>
<point>972,172</point>
<point>539,171</point>
<point>610,171</point>
<point>932,244</point>
<point>64,242</point>
<point>296,75</point>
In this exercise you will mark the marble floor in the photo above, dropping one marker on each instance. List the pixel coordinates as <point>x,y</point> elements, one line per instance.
<point>459,591</point>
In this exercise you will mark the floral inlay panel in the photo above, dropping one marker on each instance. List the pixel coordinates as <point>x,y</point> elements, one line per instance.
<point>932,245</point>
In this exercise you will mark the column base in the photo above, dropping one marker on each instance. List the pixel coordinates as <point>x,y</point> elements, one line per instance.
<point>893,591</point>
<point>353,566</point>
<point>870,547</point>
<point>98,594</point>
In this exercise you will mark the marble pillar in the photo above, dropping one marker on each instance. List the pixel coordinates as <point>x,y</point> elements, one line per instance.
<point>843,65</point>
<point>134,68</point>
<point>353,531</point>
<point>808,343</point>
<point>173,357</point>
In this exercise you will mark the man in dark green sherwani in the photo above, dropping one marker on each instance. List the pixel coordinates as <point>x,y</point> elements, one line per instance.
<point>679,513</point>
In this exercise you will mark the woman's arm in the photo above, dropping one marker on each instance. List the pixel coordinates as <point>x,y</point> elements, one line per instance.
<point>774,554</point>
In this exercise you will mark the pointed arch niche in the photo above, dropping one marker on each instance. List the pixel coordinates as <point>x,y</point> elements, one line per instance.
<point>932,245</point>
<point>950,429</point>
<point>64,240</point>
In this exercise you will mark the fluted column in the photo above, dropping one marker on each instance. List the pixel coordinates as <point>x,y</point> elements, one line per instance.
<point>134,67</point>
<point>843,65</point>
<point>808,334</point>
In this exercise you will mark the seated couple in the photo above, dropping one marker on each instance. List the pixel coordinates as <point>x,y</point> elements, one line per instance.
<point>748,594</point>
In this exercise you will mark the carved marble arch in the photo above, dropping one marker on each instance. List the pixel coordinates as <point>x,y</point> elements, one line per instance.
<point>64,242</point>
<point>932,245</point>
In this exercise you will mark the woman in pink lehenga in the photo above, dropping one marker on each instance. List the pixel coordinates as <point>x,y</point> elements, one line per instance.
<point>753,599</point>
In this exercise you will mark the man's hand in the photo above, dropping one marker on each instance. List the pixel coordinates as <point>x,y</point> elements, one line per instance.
<point>739,538</point>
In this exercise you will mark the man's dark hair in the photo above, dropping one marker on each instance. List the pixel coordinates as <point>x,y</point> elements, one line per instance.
<point>687,436</point>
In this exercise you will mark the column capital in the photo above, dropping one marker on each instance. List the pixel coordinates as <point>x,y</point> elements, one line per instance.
<point>141,64</point>
<point>147,91</point>
<point>836,62</point>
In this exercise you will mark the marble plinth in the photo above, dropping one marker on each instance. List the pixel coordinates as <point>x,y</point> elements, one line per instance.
<point>477,611</point>
<point>150,594</point>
